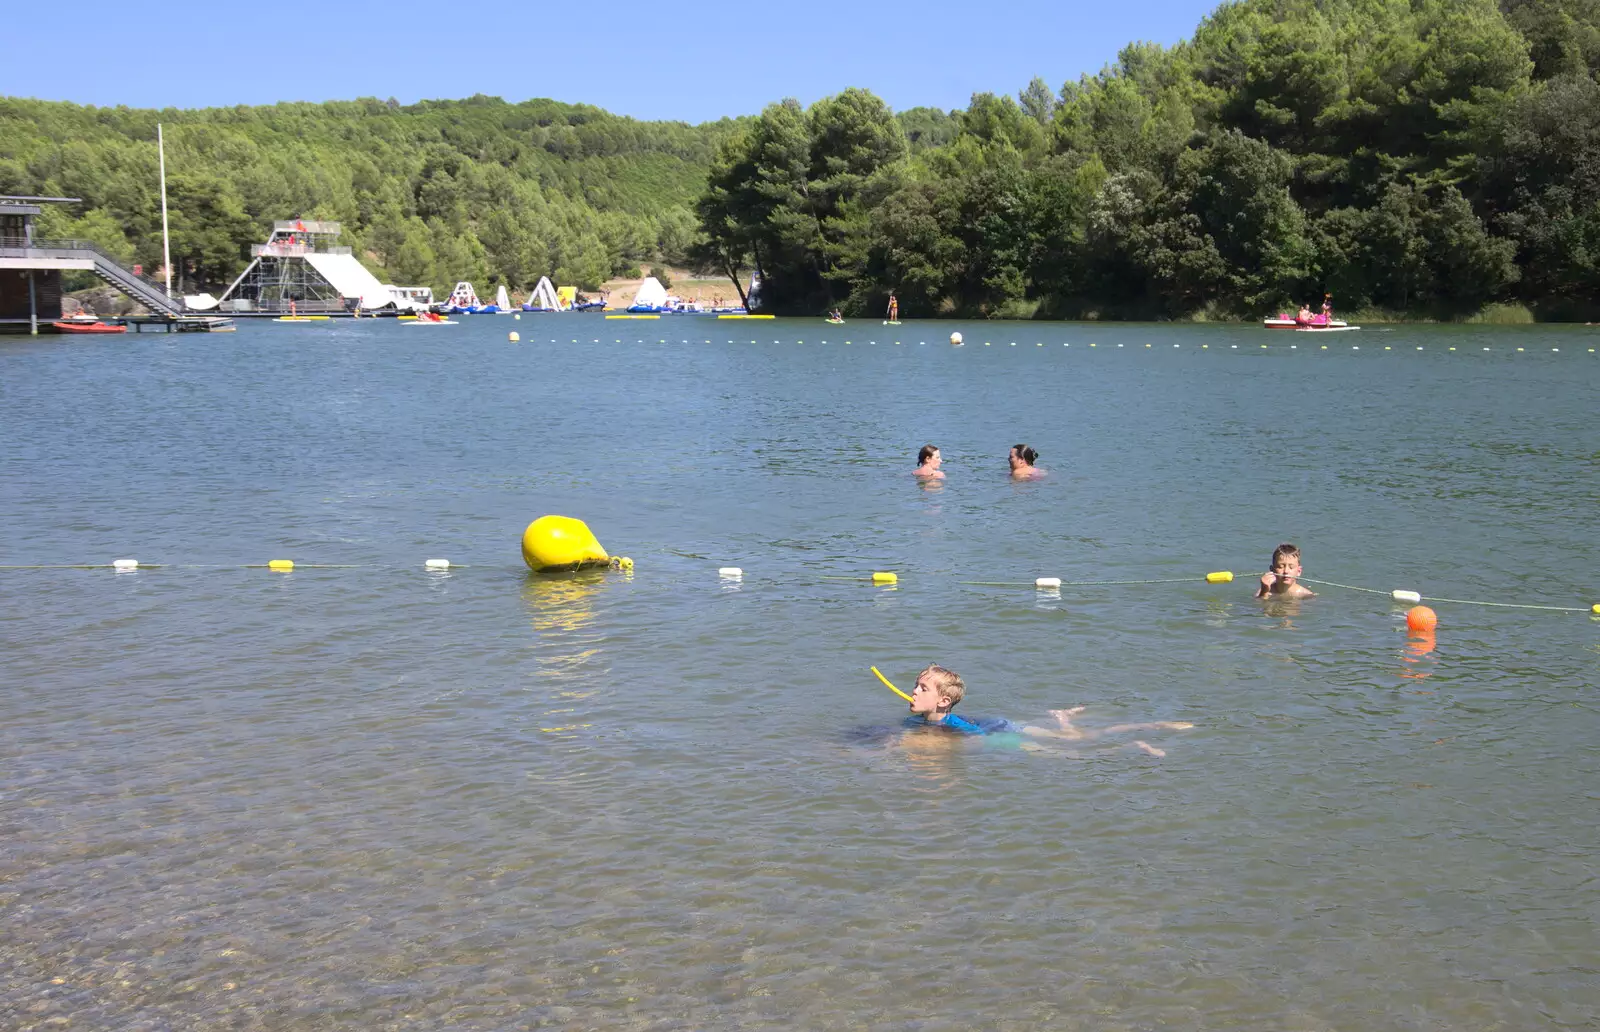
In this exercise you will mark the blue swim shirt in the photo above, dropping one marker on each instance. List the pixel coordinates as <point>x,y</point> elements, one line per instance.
<point>963,726</point>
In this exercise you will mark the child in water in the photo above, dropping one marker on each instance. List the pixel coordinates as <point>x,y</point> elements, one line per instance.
<point>939,689</point>
<point>1283,580</point>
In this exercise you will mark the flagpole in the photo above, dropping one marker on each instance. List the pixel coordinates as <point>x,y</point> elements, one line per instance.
<point>166,247</point>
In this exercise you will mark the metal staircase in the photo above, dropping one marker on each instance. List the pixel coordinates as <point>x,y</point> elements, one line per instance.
<point>142,289</point>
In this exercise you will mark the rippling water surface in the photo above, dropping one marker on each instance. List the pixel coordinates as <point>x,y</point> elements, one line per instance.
<point>372,797</point>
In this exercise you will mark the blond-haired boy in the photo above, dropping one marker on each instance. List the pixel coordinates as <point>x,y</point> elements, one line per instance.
<point>1282,581</point>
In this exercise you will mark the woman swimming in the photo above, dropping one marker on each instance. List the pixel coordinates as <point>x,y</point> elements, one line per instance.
<point>1022,459</point>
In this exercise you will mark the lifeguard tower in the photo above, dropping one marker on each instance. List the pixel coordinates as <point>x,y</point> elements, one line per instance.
<point>301,265</point>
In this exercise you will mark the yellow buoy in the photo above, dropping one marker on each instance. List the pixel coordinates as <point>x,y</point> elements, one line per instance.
<point>1220,577</point>
<point>885,578</point>
<point>281,565</point>
<point>560,542</point>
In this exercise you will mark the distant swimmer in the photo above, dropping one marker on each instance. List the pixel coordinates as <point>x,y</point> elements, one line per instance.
<point>1022,459</point>
<point>928,462</point>
<point>1283,580</point>
<point>939,689</point>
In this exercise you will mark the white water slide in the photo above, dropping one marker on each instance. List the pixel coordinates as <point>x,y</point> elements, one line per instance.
<point>351,279</point>
<point>544,297</point>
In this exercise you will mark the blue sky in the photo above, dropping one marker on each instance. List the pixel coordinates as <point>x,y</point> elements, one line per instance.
<point>652,61</point>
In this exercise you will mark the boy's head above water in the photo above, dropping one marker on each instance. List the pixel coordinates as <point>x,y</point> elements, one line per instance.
<point>1283,580</point>
<point>937,691</point>
<point>1286,561</point>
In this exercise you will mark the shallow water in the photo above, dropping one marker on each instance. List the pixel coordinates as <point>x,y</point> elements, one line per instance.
<point>374,797</point>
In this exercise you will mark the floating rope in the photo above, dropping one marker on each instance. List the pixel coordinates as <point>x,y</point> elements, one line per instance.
<point>881,578</point>
<point>80,566</point>
<point>1075,584</point>
<point>1347,587</point>
<point>1459,601</point>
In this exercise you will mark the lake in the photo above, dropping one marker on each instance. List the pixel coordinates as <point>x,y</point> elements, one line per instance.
<point>366,796</point>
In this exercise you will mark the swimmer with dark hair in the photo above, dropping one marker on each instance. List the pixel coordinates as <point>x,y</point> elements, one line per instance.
<point>928,463</point>
<point>1022,459</point>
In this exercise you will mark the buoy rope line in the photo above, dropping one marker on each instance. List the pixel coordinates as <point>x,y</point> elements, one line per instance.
<point>204,566</point>
<point>1347,587</point>
<point>1461,601</point>
<point>276,564</point>
<point>734,573</point>
<point>1074,583</point>
<point>1095,344</point>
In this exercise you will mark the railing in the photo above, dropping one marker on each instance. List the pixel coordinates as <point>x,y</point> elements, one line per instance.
<point>17,247</point>
<point>293,250</point>
<point>142,288</point>
<point>305,226</point>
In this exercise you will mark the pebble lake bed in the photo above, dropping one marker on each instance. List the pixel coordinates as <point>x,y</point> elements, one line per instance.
<point>366,795</point>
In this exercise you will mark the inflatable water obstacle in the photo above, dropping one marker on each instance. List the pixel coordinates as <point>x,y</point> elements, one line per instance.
<point>564,543</point>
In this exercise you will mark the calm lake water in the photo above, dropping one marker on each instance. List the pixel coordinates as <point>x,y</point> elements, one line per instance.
<point>379,798</point>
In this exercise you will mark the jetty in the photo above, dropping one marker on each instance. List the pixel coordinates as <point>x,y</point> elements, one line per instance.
<point>31,268</point>
<point>177,323</point>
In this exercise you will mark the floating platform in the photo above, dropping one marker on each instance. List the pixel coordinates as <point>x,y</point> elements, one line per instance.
<point>179,323</point>
<point>745,317</point>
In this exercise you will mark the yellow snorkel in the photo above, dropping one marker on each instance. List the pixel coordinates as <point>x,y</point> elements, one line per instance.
<point>887,684</point>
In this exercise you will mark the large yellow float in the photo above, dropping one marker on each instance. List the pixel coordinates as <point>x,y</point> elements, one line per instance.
<point>563,543</point>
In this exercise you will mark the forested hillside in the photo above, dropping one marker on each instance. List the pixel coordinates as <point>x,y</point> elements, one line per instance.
<point>1428,157</point>
<point>429,193</point>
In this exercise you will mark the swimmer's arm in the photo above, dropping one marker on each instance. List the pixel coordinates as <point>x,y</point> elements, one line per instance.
<point>1267,581</point>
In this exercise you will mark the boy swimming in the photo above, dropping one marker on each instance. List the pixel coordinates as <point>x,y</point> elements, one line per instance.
<point>1283,580</point>
<point>933,697</point>
<point>939,689</point>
